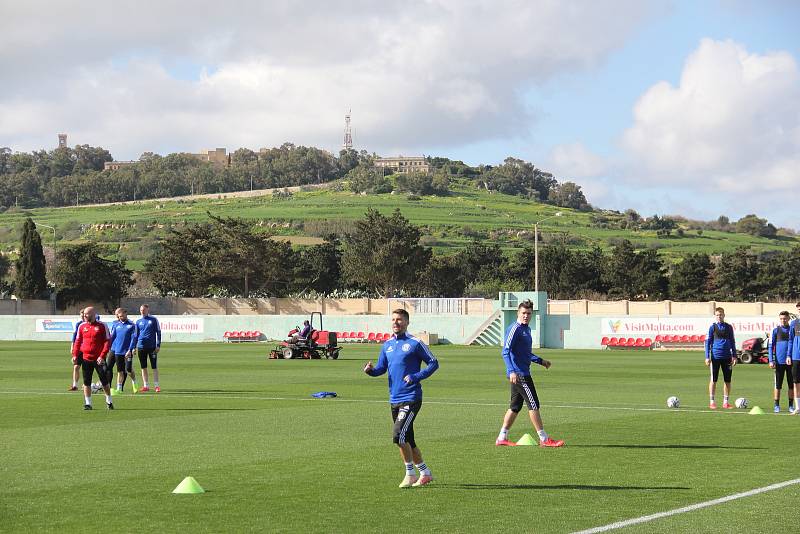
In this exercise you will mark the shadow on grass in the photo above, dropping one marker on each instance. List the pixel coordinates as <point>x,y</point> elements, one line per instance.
<point>186,409</point>
<point>681,446</point>
<point>580,487</point>
<point>204,391</point>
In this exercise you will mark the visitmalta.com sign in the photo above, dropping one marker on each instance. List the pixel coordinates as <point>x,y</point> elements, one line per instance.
<point>688,326</point>
<point>55,325</point>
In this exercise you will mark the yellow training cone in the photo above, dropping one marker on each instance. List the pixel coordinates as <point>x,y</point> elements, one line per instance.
<point>756,411</point>
<point>189,485</point>
<point>526,440</point>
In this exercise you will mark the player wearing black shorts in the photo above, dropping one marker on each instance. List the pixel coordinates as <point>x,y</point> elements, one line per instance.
<point>148,344</point>
<point>402,356</point>
<point>778,354</point>
<point>720,355</point>
<point>518,355</point>
<point>122,345</point>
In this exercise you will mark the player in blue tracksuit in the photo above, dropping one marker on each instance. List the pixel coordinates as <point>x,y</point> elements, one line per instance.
<point>148,344</point>
<point>123,341</point>
<point>79,361</point>
<point>402,356</point>
<point>720,354</point>
<point>518,355</point>
<point>778,353</point>
<point>794,357</point>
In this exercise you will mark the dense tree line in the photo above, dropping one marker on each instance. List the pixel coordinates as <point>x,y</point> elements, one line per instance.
<point>382,255</point>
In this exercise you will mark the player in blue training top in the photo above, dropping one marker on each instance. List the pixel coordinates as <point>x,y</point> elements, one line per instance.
<point>778,352</point>
<point>122,344</point>
<point>518,355</point>
<point>402,356</point>
<point>720,354</point>
<point>148,343</point>
<point>793,358</point>
<point>79,360</point>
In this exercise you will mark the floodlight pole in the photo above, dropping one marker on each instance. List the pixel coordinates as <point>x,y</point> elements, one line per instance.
<point>536,250</point>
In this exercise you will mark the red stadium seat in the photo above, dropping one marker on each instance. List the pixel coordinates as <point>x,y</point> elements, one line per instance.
<point>604,341</point>
<point>667,338</point>
<point>226,334</point>
<point>694,338</point>
<point>659,338</point>
<point>386,336</point>
<point>639,342</point>
<point>703,338</point>
<point>685,339</point>
<point>648,342</point>
<point>612,342</point>
<point>630,342</point>
<point>372,337</point>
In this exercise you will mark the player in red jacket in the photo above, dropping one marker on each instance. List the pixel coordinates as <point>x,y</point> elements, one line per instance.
<point>93,341</point>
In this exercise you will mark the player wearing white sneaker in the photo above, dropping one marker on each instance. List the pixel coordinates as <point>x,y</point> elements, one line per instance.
<point>402,356</point>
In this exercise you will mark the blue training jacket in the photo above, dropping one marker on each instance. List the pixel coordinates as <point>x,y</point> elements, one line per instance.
<point>402,356</point>
<point>518,350</point>
<point>720,344</point>
<point>75,332</point>
<point>794,339</point>
<point>779,345</point>
<point>123,336</point>
<point>148,332</point>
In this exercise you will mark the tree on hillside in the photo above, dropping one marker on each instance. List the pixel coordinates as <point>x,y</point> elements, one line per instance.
<point>563,272</point>
<point>752,225</point>
<point>569,195</point>
<point>84,274</point>
<point>634,275</point>
<point>690,278</point>
<point>367,179</point>
<point>31,281</point>
<point>383,254</point>
<point>518,177</point>
<point>735,276</point>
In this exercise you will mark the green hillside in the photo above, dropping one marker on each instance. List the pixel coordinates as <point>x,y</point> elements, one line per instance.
<point>448,222</point>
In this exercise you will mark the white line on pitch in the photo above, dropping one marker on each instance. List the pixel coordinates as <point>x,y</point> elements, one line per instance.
<point>375,401</point>
<point>690,508</point>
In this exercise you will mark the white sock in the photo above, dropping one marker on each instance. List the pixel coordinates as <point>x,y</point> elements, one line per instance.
<point>119,386</point>
<point>74,384</point>
<point>87,400</point>
<point>423,469</point>
<point>725,399</point>
<point>144,385</point>
<point>108,399</point>
<point>711,398</point>
<point>155,384</point>
<point>542,435</point>
<point>503,435</point>
<point>409,469</point>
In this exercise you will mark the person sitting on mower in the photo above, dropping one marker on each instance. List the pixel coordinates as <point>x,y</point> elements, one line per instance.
<point>305,332</point>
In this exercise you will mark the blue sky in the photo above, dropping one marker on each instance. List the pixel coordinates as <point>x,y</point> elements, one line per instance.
<point>648,105</point>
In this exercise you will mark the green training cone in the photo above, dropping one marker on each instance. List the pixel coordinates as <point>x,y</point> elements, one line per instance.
<point>756,411</point>
<point>526,440</point>
<point>188,485</point>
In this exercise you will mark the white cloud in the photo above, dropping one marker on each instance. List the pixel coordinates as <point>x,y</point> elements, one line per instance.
<point>574,160</point>
<point>733,122</point>
<point>416,74</point>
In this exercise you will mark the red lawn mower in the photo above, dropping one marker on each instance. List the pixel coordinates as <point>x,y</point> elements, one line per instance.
<point>320,343</point>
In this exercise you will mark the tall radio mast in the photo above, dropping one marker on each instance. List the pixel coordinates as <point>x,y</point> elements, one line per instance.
<point>348,136</point>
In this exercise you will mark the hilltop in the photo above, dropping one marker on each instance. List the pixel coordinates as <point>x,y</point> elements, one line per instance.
<point>448,222</point>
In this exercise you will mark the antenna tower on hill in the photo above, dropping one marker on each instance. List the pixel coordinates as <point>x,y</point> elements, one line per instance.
<point>348,136</point>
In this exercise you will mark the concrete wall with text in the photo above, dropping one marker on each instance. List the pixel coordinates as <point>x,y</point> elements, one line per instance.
<point>183,328</point>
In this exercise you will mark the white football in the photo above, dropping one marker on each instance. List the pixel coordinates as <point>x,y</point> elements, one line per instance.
<point>673,402</point>
<point>741,402</point>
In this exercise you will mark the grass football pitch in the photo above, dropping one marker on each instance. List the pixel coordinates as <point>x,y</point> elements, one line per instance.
<point>271,458</point>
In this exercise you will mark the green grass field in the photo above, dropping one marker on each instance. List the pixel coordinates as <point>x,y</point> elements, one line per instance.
<point>273,459</point>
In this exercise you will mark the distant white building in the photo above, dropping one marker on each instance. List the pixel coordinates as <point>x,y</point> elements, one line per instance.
<point>403,164</point>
